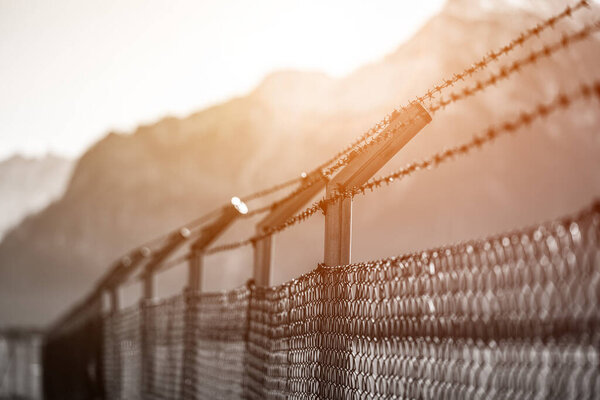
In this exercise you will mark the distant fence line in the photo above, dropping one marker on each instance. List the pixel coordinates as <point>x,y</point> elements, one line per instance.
<point>512,316</point>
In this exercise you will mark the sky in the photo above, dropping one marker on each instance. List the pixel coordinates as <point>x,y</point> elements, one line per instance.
<point>72,71</point>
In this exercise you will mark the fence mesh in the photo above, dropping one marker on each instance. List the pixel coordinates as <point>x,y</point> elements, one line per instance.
<point>165,327</point>
<point>122,354</point>
<point>514,316</point>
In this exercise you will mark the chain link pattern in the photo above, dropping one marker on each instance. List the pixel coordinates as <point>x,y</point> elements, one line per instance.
<point>122,354</point>
<point>373,134</point>
<point>514,316</point>
<point>165,343</point>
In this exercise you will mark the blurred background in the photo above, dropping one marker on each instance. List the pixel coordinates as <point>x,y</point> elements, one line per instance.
<point>123,120</point>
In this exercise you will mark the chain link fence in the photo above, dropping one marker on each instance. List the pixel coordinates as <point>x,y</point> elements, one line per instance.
<point>122,354</point>
<point>511,317</point>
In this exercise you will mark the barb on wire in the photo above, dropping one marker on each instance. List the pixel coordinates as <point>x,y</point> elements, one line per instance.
<point>542,110</point>
<point>344,156</point>
<point>495,55</point>
<point>507,70</point>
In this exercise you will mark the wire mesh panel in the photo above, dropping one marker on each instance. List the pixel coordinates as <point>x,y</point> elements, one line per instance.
<point>515,316</point>
<point>219,326</point>
<point>111,358</point>
<point>122,354</point>
<point>283,339</point>
<point>166,344</point>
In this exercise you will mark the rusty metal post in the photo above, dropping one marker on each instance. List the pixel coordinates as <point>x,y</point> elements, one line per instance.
<point>175,241</point>
<point>189,382</point>
<point>338,216</point>
<point>263,253</point>
<point>191,293</point>
<point>338,231</point>
<point>115,345</point>
<point>338,224</point>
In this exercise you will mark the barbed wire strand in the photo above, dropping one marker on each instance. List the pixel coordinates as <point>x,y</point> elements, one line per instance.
<point>503,73</point>
<point>376,133</point>
<point>541,111</point>
<point>534,31</point>
<point>449,82</point>
<point>379,133</point>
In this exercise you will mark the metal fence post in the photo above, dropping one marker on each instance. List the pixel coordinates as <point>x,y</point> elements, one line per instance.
<point>251,286</point>
<point>338,215</point>
<point>263,253</point>
<point>147,329</point>
<point>115,345</point>
<point>189,382</point>
<point>338,225</point>
<point>338,230</point>
<point>147,308</point>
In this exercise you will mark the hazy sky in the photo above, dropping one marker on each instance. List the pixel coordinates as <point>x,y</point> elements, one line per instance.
<point>70,71</point>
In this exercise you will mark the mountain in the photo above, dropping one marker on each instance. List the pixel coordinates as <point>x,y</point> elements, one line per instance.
<point>27,185</point>
<point>128,188</point>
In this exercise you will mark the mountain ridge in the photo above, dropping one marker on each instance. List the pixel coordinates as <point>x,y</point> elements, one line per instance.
<point>28,184</point>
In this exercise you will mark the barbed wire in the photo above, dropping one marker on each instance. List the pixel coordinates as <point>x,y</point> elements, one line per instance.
<point>542,110</point>
<point>347,154</point>
<point>381,131</point>
<point>503,73</point>
<point>507,70</point>
<point>494,55</point>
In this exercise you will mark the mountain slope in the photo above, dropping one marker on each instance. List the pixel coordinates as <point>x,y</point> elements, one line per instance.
<point>29,184</point>
<point>129,188</point>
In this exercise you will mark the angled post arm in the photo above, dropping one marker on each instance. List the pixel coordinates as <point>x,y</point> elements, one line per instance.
<point>263,248</point>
